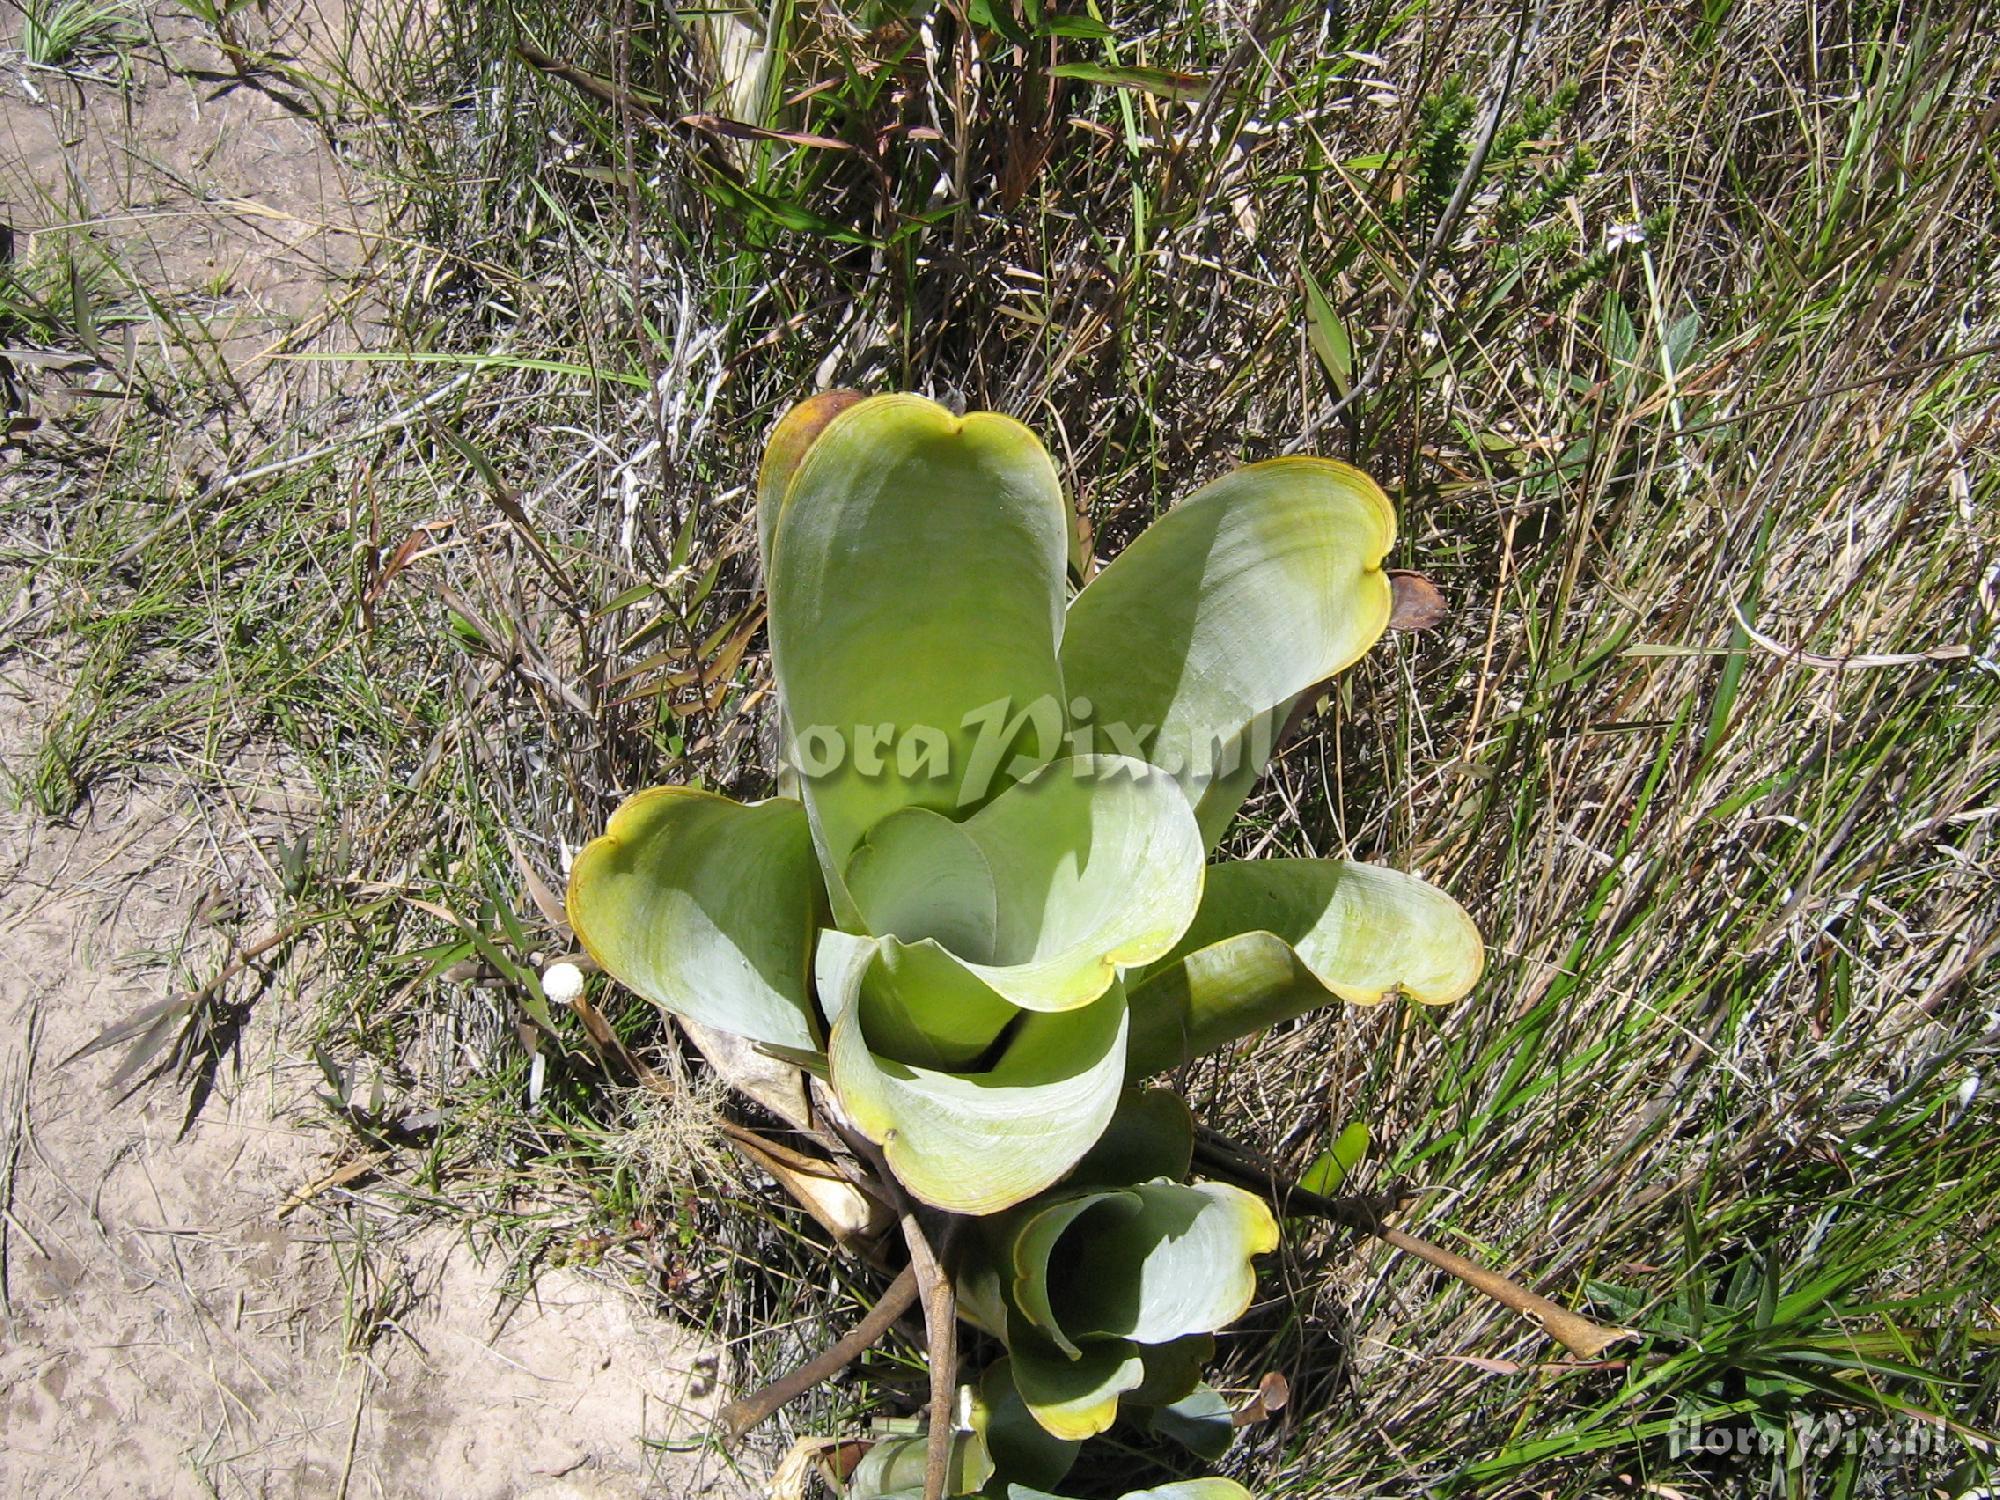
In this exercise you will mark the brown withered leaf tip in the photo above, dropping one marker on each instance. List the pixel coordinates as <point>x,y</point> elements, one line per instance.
<point>1415,603</point>
<point>1270,1397</point>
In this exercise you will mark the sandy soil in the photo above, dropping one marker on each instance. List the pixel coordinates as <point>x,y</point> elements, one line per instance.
<point>164,1328</point>
<point>218,223</point>
<point>168,1333</point>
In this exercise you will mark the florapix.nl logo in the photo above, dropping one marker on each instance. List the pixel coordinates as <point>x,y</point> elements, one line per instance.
<point>1826,1434</point>
<point>1003,742</point>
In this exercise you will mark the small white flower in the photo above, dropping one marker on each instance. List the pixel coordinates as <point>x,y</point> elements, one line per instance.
<point>562,983</point>
<point>1617,236</point>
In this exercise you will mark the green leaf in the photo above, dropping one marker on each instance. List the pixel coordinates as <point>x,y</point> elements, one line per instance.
<point>1182,1489</point>
<point>1021,1448</point>
<point>1276,938</point>
<point>920,1005</point>
<point>706,907</point>
<point>1083,28</point>
<point>526,981</point>
<point>1250,591</point>
<point>1152,1263</point>
<point>794,435</point>
<point>1151,1135</point>
<point>920,875</point>
<point>1328,336</point>
<point>915,569</point>
<point>895,1466</point>
<point>1173,1369</point>
<point>1157,81</point>
<point>1200,1421</point>
<point>1336,1164</point>
<point>1074,1399</point>
<point>1091,865</point>
<point>1034,1245</point>
<point>752,203</point>
<point>975,1142</point>
<point>1243,757</point>
<point>998,15</point>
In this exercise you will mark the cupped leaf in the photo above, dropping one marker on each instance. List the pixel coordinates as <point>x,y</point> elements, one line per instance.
<point>706,907</point>
<point>1035,1242</point>
<point>1151,1135</point>
<point>919,875</point>
<point>894,1468</point>
<point>1153,1263</point>
<point>920,1005</point>
<point>1074,1399</point>
<point>1097,865</point>
<point>1248,592</point>
<point>1276,938</point>
<point>975,1142</point>
<point>915,569</point>
<point>1005,1444</point>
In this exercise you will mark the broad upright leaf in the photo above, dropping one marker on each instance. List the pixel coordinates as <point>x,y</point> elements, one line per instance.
<point>1244,759</point>
<point>974,1142</point>
<point>915,568</point>
<point>1248,592</point>
<point>796,432</point>
<point>1276,938</point>
<point>706,907</point>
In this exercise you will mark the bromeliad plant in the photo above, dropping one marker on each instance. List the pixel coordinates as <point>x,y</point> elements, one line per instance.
<point>989,909</point>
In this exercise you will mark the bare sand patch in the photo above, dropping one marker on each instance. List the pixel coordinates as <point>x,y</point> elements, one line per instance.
<point>169,1333</point>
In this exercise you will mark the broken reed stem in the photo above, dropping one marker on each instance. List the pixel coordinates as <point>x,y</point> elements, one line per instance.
<point>1576,1333</point>
<point>941,1324</point>
<point>1581,1336</point>
<point>740,1416</point>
